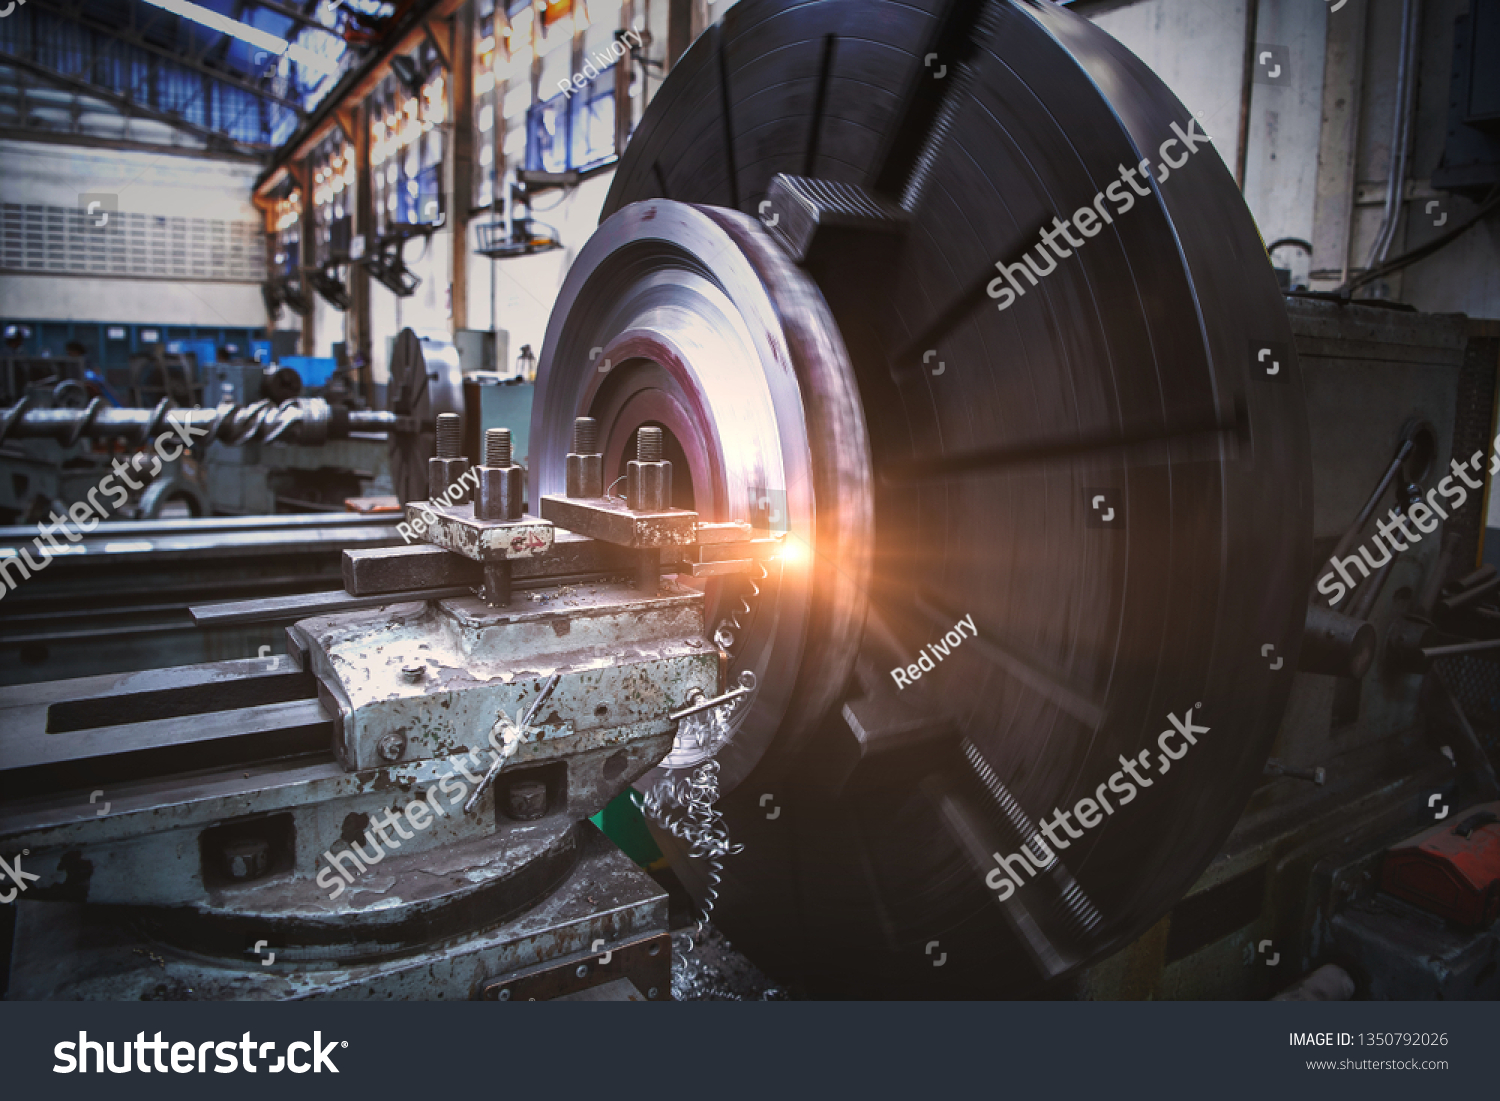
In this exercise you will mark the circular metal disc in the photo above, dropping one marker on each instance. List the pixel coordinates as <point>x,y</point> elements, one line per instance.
<point>426,379</point>
<point>1102,479</point>
<point>689,319</point>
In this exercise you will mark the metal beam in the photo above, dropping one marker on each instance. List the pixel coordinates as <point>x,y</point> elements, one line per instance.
<point>123,104</point>
<point>354,86</point>
<point>136,38</point>
<point>301,18</point>
<point>461,158</point>
<point>64,137</point>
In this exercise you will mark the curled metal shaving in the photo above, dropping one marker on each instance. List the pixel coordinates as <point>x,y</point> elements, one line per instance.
<point>685,809</point>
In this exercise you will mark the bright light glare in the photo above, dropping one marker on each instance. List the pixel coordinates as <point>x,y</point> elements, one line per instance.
<point>265,40</point>
<point>792,550</point>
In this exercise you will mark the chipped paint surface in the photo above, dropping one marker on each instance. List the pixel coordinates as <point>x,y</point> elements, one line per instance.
<point>455,529</point>
<point>626,660</point>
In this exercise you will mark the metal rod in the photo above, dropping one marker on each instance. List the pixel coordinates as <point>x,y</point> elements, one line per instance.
<point>500,759</point>
<point>1431,652</point>
<point>300,420</point>
<point>1349,537</point>
<point>706,705</point>
<point>304,605</point>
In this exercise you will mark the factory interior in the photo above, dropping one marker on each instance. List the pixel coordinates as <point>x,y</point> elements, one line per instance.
<point>675,500</point>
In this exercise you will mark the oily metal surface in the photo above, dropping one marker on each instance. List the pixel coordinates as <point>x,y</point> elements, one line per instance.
<point>1129,372</point>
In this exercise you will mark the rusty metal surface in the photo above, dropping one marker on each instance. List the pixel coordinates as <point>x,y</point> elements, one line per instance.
<point>456,529</point>
<point>626,660</point>
<point>645,963</point>
<point>420,690</point>
<point>613,521</point>
<point>68,951</point>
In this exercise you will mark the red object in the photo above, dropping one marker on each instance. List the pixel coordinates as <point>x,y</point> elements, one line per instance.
<point>1452,870</point>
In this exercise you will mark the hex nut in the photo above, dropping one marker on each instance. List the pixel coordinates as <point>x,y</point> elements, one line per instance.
<point>413,673</point>
<point>392,747</point>
<point>247,859</point>
<point>526,800</point>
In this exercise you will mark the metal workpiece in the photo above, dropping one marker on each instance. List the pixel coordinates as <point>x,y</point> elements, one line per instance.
<point>585,465</point>
<point>458,530</point>
<point>612,520</point>
<point>501,493</point>
<point>310,421</point>
<point>717,339</point>
<point>626,662</point>
<point>648,477</point>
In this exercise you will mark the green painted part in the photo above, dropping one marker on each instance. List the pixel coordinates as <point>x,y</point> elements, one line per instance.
<point>623,823</point>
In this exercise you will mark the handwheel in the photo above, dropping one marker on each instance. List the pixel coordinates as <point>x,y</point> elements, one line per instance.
<point>1104,479</point>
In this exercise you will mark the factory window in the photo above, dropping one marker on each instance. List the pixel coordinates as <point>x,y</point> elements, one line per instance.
<point>286,236</point>
<point>490,53</point>
<point>407,112</point>
<point>333,198</point>
<point>554,90</point>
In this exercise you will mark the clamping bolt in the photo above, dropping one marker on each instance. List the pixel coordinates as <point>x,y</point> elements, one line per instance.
<point>585,476</point>
<point>648,488</point>
<point>648,477</point>
<point>446,484</point>
<point>502,489</point>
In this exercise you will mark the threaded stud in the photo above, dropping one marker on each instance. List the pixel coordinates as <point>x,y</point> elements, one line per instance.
<point>648,444</point>
<point>585,436</point>
<point>497,447</point>
<point>449,436</point>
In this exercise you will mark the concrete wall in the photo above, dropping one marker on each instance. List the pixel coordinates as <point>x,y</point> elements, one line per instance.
<point>161,184</point>
<point>1317,139</point>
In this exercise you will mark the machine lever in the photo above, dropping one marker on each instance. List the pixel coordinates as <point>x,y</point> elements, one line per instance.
<point>747,685</point>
